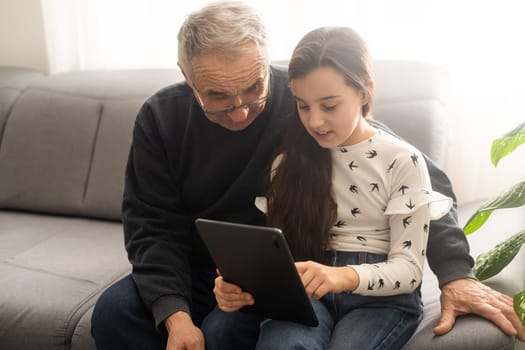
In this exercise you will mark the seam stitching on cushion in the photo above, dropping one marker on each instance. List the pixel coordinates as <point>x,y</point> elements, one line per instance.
<point>7,262</point>
<point>93,149</point>
<point>71,322</point>
<point>8,87</point>
<point>7,117</point>
<point>98,98</point>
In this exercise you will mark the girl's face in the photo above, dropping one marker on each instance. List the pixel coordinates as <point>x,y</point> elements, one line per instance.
<point>329,109</point>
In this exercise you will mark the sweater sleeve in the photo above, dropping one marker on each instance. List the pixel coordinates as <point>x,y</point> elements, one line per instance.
<point>409,212</point>
<point>448,251</point>
<point>156,230</point>
<point>402,272</point>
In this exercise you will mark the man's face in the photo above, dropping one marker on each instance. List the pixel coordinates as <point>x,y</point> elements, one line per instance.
<point>232,90</point>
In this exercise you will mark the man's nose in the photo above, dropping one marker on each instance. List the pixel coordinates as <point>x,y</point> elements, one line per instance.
<point>239,114</point>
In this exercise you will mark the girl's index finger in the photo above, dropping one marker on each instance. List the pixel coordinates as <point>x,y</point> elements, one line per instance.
<point>301,267</point>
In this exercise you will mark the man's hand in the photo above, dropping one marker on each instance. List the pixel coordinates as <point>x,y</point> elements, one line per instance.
<point>469,296</point>
<point>182,333</point>
<point>230,297</point>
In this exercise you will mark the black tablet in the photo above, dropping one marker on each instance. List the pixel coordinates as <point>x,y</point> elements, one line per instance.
<point>257,259</point>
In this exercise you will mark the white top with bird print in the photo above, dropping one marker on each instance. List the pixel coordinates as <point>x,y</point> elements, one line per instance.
<point>384,205</point>
<point>385,202</point>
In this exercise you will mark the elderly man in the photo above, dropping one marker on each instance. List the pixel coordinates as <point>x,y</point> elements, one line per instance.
<point>201,149</point>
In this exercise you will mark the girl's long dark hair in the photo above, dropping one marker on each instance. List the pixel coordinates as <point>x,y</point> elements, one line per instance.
<point>299,194</point>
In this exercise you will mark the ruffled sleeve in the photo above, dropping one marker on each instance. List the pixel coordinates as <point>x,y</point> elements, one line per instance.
<point>261,204</point>
<point>410,202</point>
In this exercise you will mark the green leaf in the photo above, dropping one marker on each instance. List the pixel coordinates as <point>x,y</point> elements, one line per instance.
<point>493,261</point>
<point>519,306</point>
<point>512,198</point>
<point>507,144</point>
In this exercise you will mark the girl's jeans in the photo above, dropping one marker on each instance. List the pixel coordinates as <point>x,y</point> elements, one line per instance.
<point>349,321</point>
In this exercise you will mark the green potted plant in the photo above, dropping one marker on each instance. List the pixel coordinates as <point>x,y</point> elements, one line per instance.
<point>492,262</point>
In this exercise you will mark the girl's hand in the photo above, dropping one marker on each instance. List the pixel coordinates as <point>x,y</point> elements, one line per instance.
<point>230,297</point>
<point>319,279</point>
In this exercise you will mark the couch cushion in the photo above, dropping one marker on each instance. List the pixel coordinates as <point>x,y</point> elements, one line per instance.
<point>82,339</point>
<point>52,270</point>
<point>13,81</point>
<point>412,99</point>
<point>470,332</point>
<point>67,140</point>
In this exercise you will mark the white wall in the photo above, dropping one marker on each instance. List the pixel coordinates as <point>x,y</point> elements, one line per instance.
<point>22,40</point>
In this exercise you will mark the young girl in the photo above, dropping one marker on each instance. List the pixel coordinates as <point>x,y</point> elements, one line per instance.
<point>354,203</point>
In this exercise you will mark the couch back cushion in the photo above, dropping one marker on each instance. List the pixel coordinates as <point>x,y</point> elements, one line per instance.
<point>13,81</point>
<point>67,139</point>
<point>413,99</point>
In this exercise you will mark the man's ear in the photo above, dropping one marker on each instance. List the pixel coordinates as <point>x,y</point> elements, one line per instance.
<point>186,78</point>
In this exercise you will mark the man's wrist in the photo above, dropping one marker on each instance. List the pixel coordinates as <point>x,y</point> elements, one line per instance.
<point>449,271</point>
<point>176,318</point>
<point>166,306</point>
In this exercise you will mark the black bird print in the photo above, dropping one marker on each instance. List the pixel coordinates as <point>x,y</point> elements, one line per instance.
<point>375,187</point>
<point>413,283</point>
<point>407,244</point>
<point>361,239</point>
<point>371,285</point>
<point>423,252</point>
<point>355,211</point>
<point>372,153</point>
<point>425,228</point>
<point>340,223</point>
<point>384,208</point>
<point>410,205</point>
<point>406,221</point>
<point>397,285</point>
<point>343,150</point>
<point>352,165</point>
<point>391,166</point>
<point>381,283</point>
<point>353,189</point>
<point>425,192</point>
<point>414,158</point>
<point>402,189</point>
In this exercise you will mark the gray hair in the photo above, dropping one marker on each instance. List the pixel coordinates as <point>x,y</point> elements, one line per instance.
<point>224,26</point>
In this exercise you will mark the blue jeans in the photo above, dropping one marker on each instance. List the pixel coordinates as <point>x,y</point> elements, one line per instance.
<point>349,321</point>
<point>346,321</point>
<point>121,321</point>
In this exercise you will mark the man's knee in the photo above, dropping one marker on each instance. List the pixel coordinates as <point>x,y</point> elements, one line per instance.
<point>230,330</point>
<point>114,305</point>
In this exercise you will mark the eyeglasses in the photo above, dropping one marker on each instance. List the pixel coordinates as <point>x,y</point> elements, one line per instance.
<point>226,110</point>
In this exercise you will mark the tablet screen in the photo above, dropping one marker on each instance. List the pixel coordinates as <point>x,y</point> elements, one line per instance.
<point>257,259</point>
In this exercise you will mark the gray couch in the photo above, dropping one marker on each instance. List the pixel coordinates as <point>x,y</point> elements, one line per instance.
<point>64,141</point>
